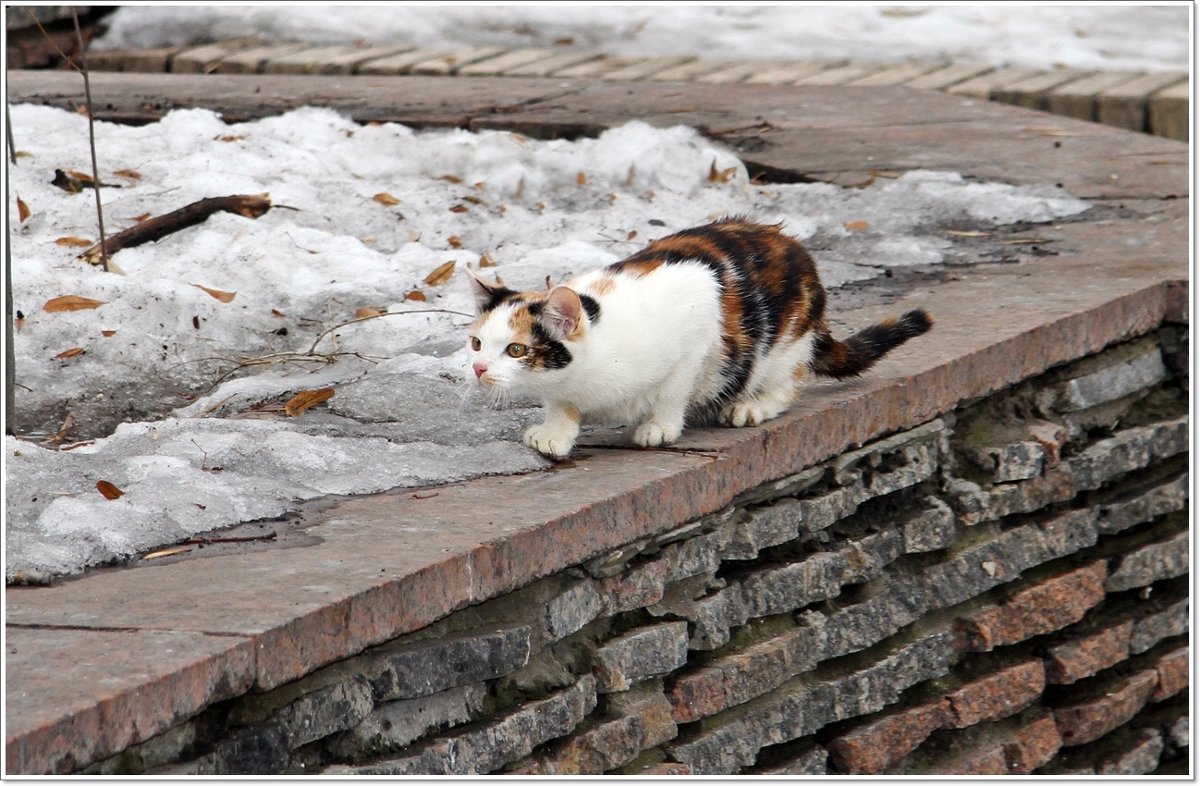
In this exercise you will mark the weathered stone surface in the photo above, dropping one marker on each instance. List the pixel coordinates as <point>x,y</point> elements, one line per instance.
<point>257,750</point>
<point>496,743</point>
<point>573,608</point>
<point>612,743</point>
<point>873,746</point>
<point>1033,745</point>
<point>326,711</point>
<point>1083,656</point>
<point>413,669</point>
<point>394,724</point>
<point>640,586</point>
<point>996,695</point>
<point>640,653</point>
<point>1172,671</point>
<point>1127,450</point>
<point>1179,732</point>
<point>1139,758</point>
<point>1150,563</point>
<point>810,760</point>
<point>172,745</point>
<point>1018,461</point>
<point>1052,604</point>
<point>697,555</point>
<point>1164,498</point>
<point>1129,375</point>
<point>930,529</point>
<point>1091,719</point>
<point>1152,628</point>
<point>735,737</point>
<point>766,526</point>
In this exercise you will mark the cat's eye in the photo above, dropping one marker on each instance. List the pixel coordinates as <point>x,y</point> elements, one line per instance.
<point>476,344</point>
<point>517,350</point>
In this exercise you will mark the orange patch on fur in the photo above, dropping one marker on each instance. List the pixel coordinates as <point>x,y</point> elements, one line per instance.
<point>602,285</point>
<point>521,323</point>
<point>574,414</point>
<point>641,268</point>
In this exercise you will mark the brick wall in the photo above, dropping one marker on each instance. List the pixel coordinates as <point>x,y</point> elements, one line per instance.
<point>1001,590</point>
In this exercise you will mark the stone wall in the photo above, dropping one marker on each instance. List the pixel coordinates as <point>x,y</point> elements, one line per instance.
<point>1000,590</point>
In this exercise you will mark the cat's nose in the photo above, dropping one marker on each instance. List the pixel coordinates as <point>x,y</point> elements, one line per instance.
<point>480,368</point>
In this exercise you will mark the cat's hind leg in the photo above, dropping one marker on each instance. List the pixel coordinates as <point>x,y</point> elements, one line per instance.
<point>772,387</point>
<point>664,423</point>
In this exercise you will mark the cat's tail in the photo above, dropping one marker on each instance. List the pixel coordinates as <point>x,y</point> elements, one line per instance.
<point>849,358</point>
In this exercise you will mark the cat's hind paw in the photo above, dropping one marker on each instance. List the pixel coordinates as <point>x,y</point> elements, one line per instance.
<point>653,434</point>
<point>549,441</point>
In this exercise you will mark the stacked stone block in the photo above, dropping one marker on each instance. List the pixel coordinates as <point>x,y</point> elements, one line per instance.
<point>1002,590</point>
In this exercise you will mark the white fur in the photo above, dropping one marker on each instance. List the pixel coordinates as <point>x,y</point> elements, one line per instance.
<point>655,349</point>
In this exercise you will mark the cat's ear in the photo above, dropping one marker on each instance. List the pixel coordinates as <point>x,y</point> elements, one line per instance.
<point>486,295</point>
<point>562,313</point>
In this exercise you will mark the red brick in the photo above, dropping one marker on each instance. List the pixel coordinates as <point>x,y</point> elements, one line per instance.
<point>1090,720</point>
<point>872,747</point>
<point>697,694</point>
<point>1054,603</point>
<point>1172,671</point>
<point>997,695</point>
<point>1086,655</point>
<point>1033,745</point>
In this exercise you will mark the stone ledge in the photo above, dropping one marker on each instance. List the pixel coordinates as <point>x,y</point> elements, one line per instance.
<point>378,573</point>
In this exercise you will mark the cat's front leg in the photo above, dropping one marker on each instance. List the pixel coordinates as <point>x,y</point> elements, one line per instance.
<point>556,435</point>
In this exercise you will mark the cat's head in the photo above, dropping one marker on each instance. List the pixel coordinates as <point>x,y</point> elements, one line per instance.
<point>520,339</point>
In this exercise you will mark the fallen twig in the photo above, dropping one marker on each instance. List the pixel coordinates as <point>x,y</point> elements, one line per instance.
<point>248,205</point>
<point>239,539</point>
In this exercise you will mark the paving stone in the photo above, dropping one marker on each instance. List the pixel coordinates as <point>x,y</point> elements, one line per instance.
<point>1151,503</point>
<point>644,69</point>
<point>1150,563</point>
<point>1124,106</point>
<point>732,740</point>
<point>1132,374</point>
<point>252,61</point>
<point>812,759</point>
<point>1091,719</point>
<point>894,75</point>
<point>1172,671</point>
<point>613,743</point>
<point>400,62</point>
<point>1047,606</point>
<point>947,76</point>
<point>451,62</point>
<point>686,72</point>
<point>640,653</point>
<point>595,68</point>
<point>996,695</point>
<point>1170,111</point>
<point>205,58</point>
<point>1083,656</point>
<point>840,75</point>
<point>489,747</point>
<point>405,670</point>
<point>394,724</point>
<point>1031,91</point>
<point>984,85</point>
<point>1078,98</point>
<point>1151,628</point>
<point>932,528</point>
<point>788,73</point>
<point>73,697</point>
<point>339,59</point>
<point>503,62</point>
<point>553,64</point>
<point>1140,758</point>
<point>871,747</point>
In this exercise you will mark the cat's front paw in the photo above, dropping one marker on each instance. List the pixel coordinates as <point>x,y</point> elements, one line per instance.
<point>549,441</point>
<point>652,434</point>
<point>749,413</point>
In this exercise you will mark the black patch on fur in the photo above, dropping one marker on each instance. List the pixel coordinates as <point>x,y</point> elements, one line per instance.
<point>591,307</point>
<point>547,352</point>
<point>849,358</point>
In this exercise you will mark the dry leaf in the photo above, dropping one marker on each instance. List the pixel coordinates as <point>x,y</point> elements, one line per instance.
<point>22,210</point>
<point>857,226</point>
<point>108,333</point>
<point>141,218</point>
<point>66,182</point>
<point>195,322</point>
<point>416,294</point>
<point>73,242</point>
<point>564,40</point>
<point>306,399</point>
<point>632,234</point>
<point>230,138</point>
<point>474,200</point>
<point>451,178</point>
<point>386,199</point>
<point>277,313</point>
<point>171,552</point>
<point>486,261</point>
<point>581,179</point>
<point>459,208</point>
<point>441,274</point>
<point>128,174</point>
<point>367,311</point>
<point>965,233</point>
<point>70,353</point>
<point>71,303</point>
<point>224,297</point>
<point>631,175</point>
<point>19,321</point>
<point>1028,241</point>
<point>82,177</point>
<point>455,241</point>
<point>109,490</point>
<point>720,175</point>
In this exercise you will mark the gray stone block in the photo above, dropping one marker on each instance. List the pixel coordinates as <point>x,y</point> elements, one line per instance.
<point>765,526</point>
<point>1114,382</point>
<point>415,669</point>
<point>489,747</point>
<point>930,529</point>
<point>640,653</point>
<point>1018,461</point>
<point>811,759</point>
<point>1150,563</point>
<point>394,724</point>
<point>326,711</point>
<point>573,608</point>
<point>1138,758</point>
<point>1127,450</point>
<point>1162,499</point>
<point>1179,732</point>
<point>1150,629</point>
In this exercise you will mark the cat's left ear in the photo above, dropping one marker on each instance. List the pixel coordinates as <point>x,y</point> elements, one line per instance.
<point>562,313</point>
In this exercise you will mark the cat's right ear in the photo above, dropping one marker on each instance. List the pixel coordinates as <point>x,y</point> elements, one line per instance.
<point>487,296</point>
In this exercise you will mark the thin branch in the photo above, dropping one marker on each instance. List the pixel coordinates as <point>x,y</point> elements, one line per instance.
<point>312,350</point>
<point>8,134</point>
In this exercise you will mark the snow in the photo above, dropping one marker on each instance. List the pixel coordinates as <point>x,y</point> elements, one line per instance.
<point>402,414</point>
<point>1095,36</point>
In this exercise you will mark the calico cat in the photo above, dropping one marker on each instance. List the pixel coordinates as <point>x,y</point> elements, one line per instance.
<point>714,323</point>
